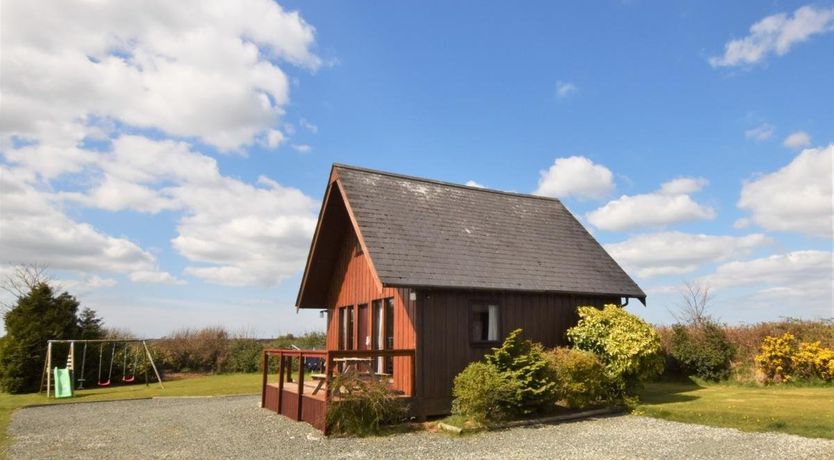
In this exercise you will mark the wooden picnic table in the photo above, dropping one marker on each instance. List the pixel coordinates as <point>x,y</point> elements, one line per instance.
<point>350,364</point>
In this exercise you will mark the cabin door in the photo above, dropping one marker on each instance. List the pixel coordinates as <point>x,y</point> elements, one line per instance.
<point>363,331</point>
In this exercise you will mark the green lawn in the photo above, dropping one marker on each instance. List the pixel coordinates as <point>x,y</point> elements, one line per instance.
<point>804,411</point>
<point>226,384</point>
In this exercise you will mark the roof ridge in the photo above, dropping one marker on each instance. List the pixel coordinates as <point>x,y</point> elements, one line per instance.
<point>440,182</point>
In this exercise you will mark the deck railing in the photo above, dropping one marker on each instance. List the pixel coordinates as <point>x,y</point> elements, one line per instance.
<point>330,360</point>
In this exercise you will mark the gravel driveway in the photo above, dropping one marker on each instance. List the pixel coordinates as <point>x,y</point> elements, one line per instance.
<point>234,427</point>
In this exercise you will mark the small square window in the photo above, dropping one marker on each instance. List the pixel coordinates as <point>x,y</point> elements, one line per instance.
<point>485,323</point>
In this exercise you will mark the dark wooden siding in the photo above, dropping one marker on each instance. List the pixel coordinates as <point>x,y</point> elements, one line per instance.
<point>445,332</point>
<point>352,284</point>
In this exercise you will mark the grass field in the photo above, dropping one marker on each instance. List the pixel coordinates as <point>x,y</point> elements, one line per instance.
<point>805,411</point>
<point>211,385</point>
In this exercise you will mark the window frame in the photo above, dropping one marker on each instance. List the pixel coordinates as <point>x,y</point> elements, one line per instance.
<point>485,303</point>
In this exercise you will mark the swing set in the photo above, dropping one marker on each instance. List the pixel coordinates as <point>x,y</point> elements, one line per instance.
<point>65,380</point>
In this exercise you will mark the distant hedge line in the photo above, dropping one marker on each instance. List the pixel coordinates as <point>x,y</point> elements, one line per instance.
<point>215,350</point>
<point>741,353</point>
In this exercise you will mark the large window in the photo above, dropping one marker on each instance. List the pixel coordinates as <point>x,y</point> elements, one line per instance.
<point>389,334</point>
<point>383,336</point>
<point>346,328</point>
<point>341,328</point>
<point>485,321</point>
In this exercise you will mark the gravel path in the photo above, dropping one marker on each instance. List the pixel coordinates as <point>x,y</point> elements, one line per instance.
<point>234,427</point>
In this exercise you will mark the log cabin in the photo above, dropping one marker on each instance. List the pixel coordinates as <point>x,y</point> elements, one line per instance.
<point>417,278</point>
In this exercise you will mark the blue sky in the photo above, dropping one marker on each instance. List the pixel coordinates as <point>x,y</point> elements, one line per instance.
<point>169,172</point>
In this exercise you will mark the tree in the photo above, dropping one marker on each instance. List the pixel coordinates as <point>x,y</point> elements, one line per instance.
<point>90,325</point>
<point>699,345</point>
<point>22,279</point>
<point>37,317</point>
<point>696,298</point>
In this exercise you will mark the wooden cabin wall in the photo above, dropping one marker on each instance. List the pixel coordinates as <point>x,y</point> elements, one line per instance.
<point>352,284</point>
<point>445,344</point>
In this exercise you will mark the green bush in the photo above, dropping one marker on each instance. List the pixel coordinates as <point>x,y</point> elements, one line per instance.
<point>628,346</point>
<point>525,363</point>
<point>244,355</point>
<point>362,406</point>
<point>37,317</point>
<point>702,349</point>
<point>580,377</point>
<point>484,393</point>
<point>189,350</point>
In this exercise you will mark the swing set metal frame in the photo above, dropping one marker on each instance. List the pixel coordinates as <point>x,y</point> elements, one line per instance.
<point>46,381</point>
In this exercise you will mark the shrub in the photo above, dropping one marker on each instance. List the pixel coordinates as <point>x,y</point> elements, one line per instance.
<point>244,355</point>
<point>774,361</point>
<point>313,340</point>
<point>37,317</point>
<point>484,393</point>
<point>628,346</point>
<point>812,361</point>
<point>748,339</point>
<point>525,363</point>
<point>363,406</point>
<point>579,376</point>
<point>189,350</point>
<point>702,349</point>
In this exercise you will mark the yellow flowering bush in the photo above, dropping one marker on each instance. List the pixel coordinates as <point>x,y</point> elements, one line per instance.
<point>627,346</point>
<point>812,360</point>
<point>782,359</point>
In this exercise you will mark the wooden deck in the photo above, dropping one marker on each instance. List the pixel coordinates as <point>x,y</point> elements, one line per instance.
<point>292,395</point>
<point>312,406</point>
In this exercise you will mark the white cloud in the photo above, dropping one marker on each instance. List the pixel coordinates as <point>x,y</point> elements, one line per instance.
<point>683,186</point>
<point>669,205</point>
<point>302,148</point>
<point>274,138</point>
<point>741,223</point>
<point>77,77</point>
<point>762,132</point>
<point>308,126</point>
<point>800,280</point>
<point>677,253</point>
<point>472,183</point>
<point>775,34</point>
<point>251,234</point>
<point>797,140</point>
<point>797,198</point>
<point>84,285</point>
<point>565,89</point>
<point>205,69</point>
<point>36,231</point>
<point>575,176</point>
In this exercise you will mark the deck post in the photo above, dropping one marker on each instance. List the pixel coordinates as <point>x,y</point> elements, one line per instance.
<point>263,383</point>
<point>328,378</point>
<point>280,380</point>
<point>300,384</point>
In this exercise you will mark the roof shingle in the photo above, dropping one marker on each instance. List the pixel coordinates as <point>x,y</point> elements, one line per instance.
<point>427,233</point>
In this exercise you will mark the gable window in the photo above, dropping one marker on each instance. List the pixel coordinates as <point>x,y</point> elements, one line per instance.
<point>485,319</point>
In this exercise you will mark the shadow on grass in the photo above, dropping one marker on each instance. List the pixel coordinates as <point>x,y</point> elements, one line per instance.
<point>670,391</point>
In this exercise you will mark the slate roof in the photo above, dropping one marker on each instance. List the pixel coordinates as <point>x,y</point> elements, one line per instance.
<point>426,233</point>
